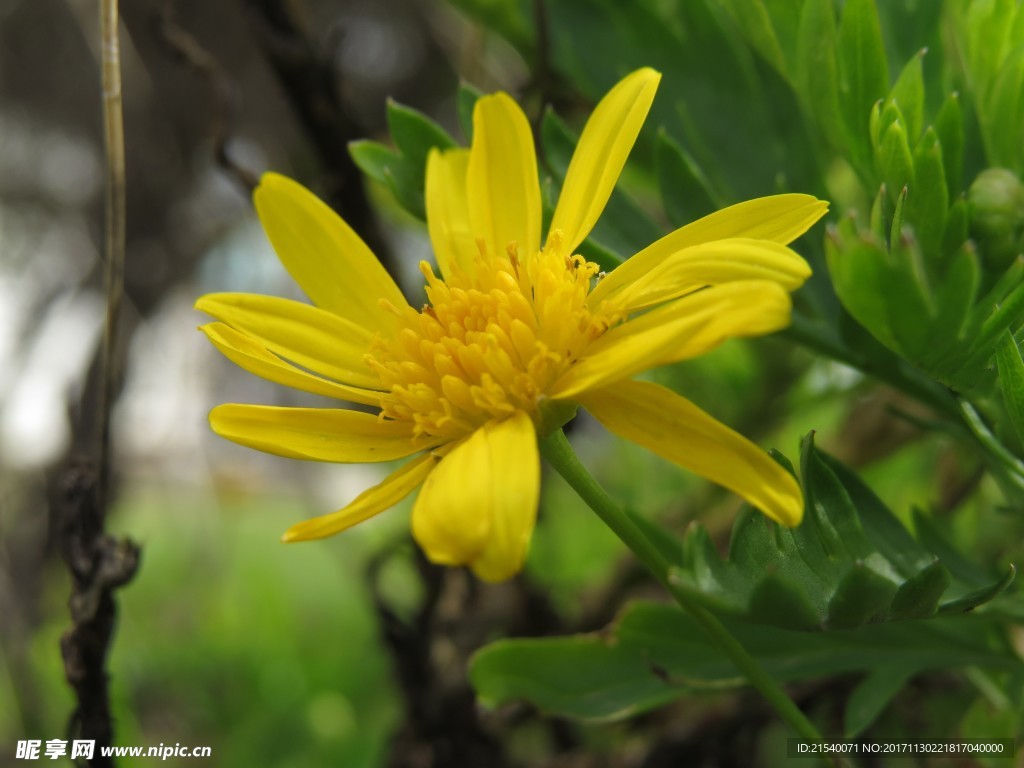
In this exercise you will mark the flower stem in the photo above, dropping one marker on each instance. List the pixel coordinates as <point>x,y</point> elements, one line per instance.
<point>559,453</point>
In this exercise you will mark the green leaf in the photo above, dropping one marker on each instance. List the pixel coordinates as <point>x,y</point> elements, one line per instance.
<point>373,158</point>
<point>972,600</point>
<point>949,125</point>
<point>871,696</point>
<point>860,270</point>
<point>954,299</point>
<point>1011,381</point>
<point>685,191</point>
<point>911,304</point>
<point>876,222</point>
<point>404,170</point>
<point>415,135</point>
<point>1006,112</point>
<point>754,20</point>
<point>817,77</point>
<point>655,653</point>
<point>894,161</point>
<point>863,70</point>
<point>908,93</point>
<point>396,172</point>
<point>954,234</point>
<point>896,225</point>
<point>928,198</point>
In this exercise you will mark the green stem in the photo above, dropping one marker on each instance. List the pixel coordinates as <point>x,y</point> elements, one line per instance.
<point>559,453</point>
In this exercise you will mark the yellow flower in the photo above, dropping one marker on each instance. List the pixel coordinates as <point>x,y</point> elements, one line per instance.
<point>515,336</point>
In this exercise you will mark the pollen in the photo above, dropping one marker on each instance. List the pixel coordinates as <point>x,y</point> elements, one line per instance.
<point>489,343</point>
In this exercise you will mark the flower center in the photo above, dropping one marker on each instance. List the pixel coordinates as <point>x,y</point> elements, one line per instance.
<point>487,344</point>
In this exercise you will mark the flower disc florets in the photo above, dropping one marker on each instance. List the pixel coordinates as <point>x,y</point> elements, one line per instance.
<point>489,343</point>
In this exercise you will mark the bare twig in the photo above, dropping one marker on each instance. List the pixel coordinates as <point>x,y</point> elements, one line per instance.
<point>114,235</point>
<point>225,99</point>
<point>99,564</point>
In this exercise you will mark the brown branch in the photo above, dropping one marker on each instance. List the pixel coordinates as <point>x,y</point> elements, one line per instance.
<point>308,80</point>
<point>99,564</point>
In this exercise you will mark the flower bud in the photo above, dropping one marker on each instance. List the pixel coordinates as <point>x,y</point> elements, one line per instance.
<point>996,205</point>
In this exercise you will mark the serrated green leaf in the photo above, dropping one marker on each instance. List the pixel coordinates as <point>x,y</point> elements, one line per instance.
<point>1011,381</point>
<point>871,696</point>
<point>862,597</point>
<point>918,597</point>
<point>908,93</point>
<point>885,532</point>
<point>465,101</point>
<point>972,600</point>
<point>782,602</point>
<point>685,190</point>
<point>851,562</point>
<point>949,125</point>
<point>655,653</point>
<point>863,69</point>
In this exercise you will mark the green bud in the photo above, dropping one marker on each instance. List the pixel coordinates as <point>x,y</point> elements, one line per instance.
<point>996,208</point>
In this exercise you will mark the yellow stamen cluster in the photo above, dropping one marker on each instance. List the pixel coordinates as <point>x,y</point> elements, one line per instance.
<point>489,343</point>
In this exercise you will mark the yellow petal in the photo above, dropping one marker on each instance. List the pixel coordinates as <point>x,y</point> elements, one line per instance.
<point>325,257</point>
<point>479,504</point>
<point>503,192</point>
<point>676,429</point>
<point>316,434</point>
<point>720,261</point>
<point>309,336</point>
<point>452,514</point>
<point>448,212</point>
<point>373,501</point>
<point>779,218</point>
<point>249,354</point>
<point>600,156</point>
<point>516,489</point>
<point>683,329</point>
